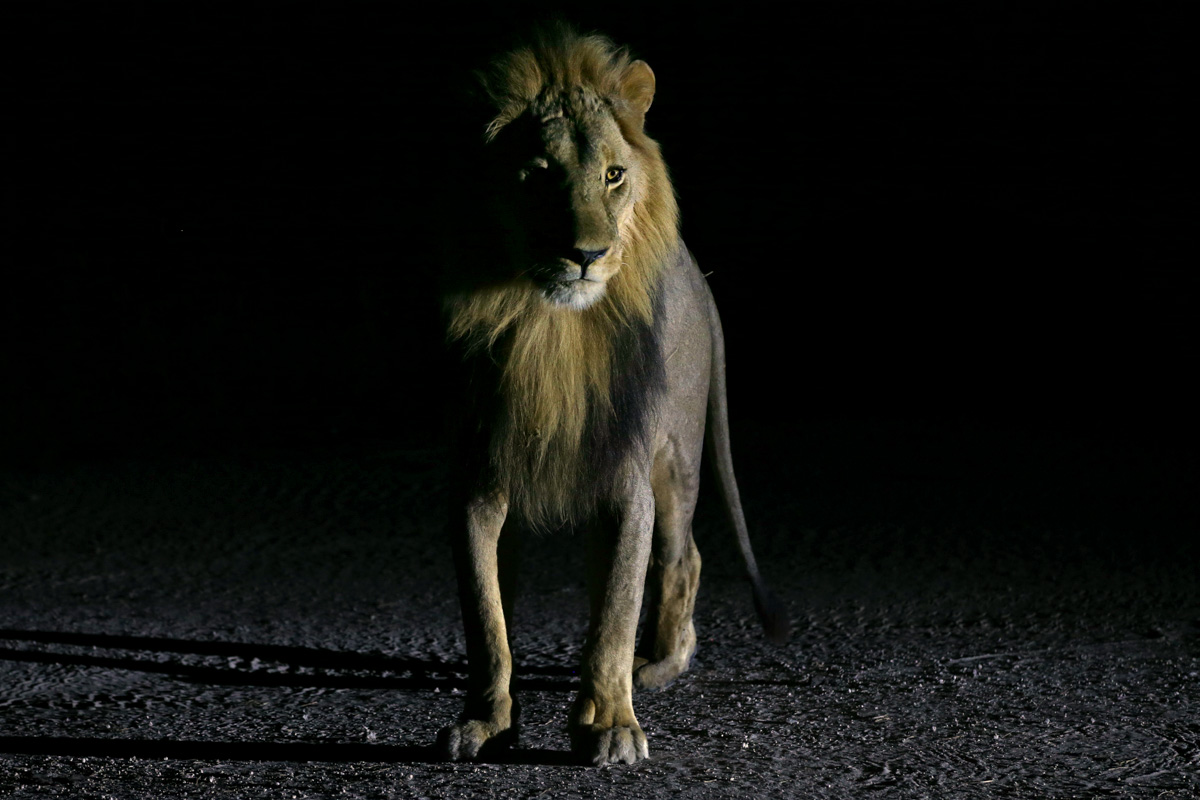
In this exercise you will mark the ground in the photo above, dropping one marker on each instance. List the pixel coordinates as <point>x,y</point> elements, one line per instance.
<point>978,613</point>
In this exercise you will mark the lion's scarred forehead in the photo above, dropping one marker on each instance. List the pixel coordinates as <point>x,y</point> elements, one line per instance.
<point>578,122</point>
<point>577,125</point>
<point>560,73</point>
<point>577,102</point>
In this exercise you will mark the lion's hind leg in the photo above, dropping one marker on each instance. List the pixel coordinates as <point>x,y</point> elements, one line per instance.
<point>668,639</point>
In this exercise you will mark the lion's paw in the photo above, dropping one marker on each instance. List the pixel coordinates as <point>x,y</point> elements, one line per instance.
<point>658,674</point>
<point>600,746</point>
<point>474,739</point>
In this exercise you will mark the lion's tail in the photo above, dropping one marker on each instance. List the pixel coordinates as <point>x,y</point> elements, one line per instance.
<point>770,611</point>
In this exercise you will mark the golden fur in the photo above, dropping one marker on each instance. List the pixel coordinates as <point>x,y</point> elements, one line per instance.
<point>557,364</point>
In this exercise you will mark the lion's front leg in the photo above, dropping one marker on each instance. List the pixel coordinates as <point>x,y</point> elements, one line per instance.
<point>489,720</point>
<point>603,727</point>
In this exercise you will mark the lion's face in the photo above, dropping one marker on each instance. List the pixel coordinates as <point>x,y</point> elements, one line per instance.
<point>567,197</point>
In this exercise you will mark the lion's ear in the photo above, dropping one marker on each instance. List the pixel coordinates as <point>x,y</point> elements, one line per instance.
<point>637,86</point>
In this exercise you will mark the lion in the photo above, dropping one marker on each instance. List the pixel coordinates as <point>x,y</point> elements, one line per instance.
<point>593,357</point>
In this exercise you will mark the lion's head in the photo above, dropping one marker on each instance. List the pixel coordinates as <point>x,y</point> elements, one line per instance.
<point>578,185</point>
<point>588,218</point>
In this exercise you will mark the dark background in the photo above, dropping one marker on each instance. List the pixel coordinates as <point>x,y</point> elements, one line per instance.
<point>929,218</point>
<point>947,244</point>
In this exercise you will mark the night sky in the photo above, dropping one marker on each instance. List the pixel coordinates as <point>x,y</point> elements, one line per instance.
<point>226,216</point>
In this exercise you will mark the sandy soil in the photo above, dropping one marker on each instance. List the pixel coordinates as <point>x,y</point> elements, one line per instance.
<point>978,617</point>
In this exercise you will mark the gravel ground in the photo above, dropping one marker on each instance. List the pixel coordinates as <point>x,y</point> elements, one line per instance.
<point>978,617</point>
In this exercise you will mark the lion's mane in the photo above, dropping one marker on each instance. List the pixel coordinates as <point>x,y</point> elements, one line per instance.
<point>570,390</point>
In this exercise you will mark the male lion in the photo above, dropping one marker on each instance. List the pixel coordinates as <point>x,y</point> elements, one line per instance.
<point>593,351</point>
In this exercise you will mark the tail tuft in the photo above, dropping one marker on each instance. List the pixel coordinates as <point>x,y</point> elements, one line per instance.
<point>772,614</point>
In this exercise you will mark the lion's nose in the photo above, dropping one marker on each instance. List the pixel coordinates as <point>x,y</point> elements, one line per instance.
<point>587,257</point>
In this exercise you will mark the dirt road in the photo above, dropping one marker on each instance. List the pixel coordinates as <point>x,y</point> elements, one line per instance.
<point>976,617</point>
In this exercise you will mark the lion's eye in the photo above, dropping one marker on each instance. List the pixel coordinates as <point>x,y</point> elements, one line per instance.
<point>532,168</point>
<point>614,175</point>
